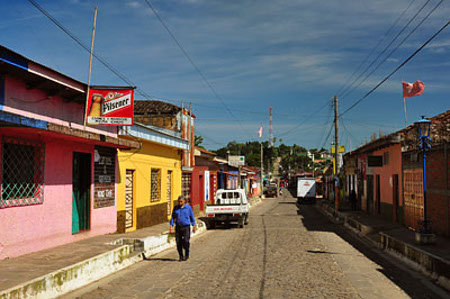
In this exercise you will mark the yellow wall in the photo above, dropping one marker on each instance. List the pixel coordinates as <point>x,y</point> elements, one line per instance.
<point>151,155</point>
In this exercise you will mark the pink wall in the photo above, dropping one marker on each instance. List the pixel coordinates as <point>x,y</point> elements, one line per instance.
<point>386,173</point>
<point>35,103</point>
<point>27,229</point>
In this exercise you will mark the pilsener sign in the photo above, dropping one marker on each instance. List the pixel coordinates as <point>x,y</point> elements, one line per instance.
<point>110,107</point>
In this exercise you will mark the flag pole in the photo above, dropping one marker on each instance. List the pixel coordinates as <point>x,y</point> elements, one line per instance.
<point>404,107</point>
<point>90,65</point>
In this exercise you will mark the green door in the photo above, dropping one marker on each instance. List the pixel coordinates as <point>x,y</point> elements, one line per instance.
<point>81,192</point>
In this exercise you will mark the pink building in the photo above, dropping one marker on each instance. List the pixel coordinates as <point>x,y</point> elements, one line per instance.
<point>57,177</point>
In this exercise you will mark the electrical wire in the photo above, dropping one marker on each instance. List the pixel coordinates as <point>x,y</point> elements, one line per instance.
<point>395,49</point>
<point>304,120</point>
<point>395,70</point>
<point>345,91</point>
<point>188,57</point>
<point>374,48</point>
<point>87,48</point>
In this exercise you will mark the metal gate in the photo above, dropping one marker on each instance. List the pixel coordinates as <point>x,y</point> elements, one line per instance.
<point>169,193</point>
<point>413,195</point>
<point>129,186</point>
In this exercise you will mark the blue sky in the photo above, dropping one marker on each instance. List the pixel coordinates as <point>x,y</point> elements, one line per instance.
<point>292,55</point>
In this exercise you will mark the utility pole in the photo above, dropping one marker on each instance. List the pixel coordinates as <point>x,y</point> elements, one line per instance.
<point>336,155</point>
<point>262,167</point>
<point>270,143</point>
<point>90,66</point>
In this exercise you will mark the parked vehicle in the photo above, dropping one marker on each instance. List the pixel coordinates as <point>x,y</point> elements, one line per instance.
<point>306,189</point>
<point>230,206</point>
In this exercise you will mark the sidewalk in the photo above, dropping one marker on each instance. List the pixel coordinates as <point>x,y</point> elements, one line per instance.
<point>397,240</point>
<point>59,270</point>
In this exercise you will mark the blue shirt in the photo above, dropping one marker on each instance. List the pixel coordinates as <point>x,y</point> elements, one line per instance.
<point>182,215</point>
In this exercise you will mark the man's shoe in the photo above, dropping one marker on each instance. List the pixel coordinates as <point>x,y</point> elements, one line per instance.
<point>181,259</point>
<point>186,257</point>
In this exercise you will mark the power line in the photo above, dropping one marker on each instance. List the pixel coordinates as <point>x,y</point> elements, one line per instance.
<point>304,120</point>
<point>394,71</point>
<point>192,62</point>
<point>374,48</point>
<point>396,48</point>
<point>328,135</point>
<point>345,92</point>
<point>85,47</point>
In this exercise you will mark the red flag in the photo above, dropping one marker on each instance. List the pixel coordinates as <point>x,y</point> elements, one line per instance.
<point>413,89</point>
<point>260,132</point>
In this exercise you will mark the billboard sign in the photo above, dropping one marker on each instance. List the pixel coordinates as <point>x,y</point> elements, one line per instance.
<point>110,107</point>
<point>236,160</point>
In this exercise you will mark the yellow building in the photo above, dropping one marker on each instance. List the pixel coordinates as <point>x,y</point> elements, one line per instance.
<point>149,178</point>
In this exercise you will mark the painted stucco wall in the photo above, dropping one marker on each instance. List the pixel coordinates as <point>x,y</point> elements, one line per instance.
<point>386,173</point>
<point>35,103</point>
<point>26,229</point>
<point>151,155</point>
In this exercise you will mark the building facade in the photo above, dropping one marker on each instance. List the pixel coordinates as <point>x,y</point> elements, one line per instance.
<point>149,178</point>
<point>49,162</point>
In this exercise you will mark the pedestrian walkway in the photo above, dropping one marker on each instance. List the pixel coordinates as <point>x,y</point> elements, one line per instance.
<point>432,260</point>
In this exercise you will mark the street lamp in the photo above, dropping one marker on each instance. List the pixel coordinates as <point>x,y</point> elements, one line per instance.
<point>423,127</point>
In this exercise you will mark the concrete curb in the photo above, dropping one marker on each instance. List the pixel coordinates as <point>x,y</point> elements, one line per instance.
<point>78,275</point>
<point>419,260</point>
<point>426,263</point>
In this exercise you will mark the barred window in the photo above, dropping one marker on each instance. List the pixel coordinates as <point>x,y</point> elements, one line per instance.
<point>186,186</point>
<point>22,172</point>
<point>155,185</point>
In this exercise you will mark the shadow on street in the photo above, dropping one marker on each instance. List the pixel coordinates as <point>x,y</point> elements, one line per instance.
<point>313,220</point>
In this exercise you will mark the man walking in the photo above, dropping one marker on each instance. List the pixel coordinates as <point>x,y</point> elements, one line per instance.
<point>183,217</point>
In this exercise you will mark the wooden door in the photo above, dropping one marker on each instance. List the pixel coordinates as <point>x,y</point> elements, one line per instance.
<point>395,198</point>
<point>169,193</point>
<point>369,194</point>
<point>129,198</point>
<point>378,195</point>
<point>413,196</point>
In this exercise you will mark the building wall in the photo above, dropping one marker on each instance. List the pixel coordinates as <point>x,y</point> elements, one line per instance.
<point>386,173</point>
<point>26,229</point>
<point>151,155</point>
<point>35,103</point>
<point>438,185</point>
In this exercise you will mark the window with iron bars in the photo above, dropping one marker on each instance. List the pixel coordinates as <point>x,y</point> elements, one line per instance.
<point>22,172</point>
<point>155,185</point>
<point>186,186</point>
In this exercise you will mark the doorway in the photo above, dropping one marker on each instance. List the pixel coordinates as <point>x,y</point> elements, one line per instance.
<point>81,192</point>
<point>129,198</point>
<point>169,194</point>
<point>370,194</point>
<point>395,196</point>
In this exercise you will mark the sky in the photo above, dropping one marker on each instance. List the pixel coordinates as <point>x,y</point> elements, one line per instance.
<point>291,55</point>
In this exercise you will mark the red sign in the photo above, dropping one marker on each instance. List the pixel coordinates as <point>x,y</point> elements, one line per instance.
<point>110,107</point>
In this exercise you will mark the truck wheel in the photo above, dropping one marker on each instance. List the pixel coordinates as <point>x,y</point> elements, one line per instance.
<point>241,223</point>
<point>246,220</point>
<point>212,224</point>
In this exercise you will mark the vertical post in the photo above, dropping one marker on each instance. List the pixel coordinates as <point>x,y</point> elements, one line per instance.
<point>190,133</point>
<point>262,167</point>
<point>336,154</point>
<point>90,66</point>
<point>425,221</point>
<point>404,108</point>
<point>183,159</point>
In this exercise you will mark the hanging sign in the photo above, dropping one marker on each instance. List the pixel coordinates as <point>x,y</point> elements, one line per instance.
<point>110,107</point>
<point>104,177</point>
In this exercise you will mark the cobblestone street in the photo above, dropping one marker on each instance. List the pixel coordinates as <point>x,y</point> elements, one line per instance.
<point>284,252</point>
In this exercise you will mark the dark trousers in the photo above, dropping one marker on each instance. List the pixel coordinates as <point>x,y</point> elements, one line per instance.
<point>182,236</point>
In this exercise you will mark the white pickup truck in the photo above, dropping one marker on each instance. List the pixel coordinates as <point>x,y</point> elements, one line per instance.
<point>230,206</point>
